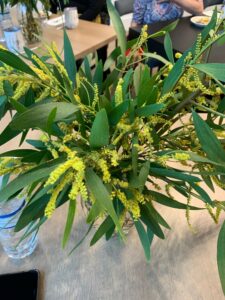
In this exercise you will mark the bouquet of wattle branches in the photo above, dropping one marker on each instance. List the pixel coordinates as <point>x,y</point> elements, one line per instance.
<point>123,144</point>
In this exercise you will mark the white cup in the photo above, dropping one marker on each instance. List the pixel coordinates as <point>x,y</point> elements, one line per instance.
<point>71,17</point>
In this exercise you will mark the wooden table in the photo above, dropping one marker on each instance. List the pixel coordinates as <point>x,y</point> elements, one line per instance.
<point>85,39</point>
<point>183,36</point>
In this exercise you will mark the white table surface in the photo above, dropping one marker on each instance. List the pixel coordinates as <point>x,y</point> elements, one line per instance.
<point>182,267</point>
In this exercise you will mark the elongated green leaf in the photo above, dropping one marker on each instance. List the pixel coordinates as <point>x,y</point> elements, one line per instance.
<point>145,86</point>
<point>7,134</point>
<point>143,238</point>
<point>117,112</point>
<point>164,200</point>
<point>34,228</point>
<point>40,172</point>
<point>155,215</point>
<point>98,76</point>
<point>100,193</point>
<point>103,228</point>
<point>69,59</point>
<point>214,70</point>
<point>143,175</point>
<point>174,174</point>
<point>151,223</point>
<point>99,136</point>
<point>156,57</point>
<point>83,238</point>
<point>19,153</point>
<point>174,75</point>
<point>149,110</point>
<point>202,193</point>
<point>20,108</point>
<point>51,120</point>
<point>94,212</point>
<point>118,26</point>
<point>32,212</point>
<point>69,222</point>
<point>38,115</point>
<point>208,140</point>
<point>168,48</point>
<point>14,61</point>
<point>221,256</point>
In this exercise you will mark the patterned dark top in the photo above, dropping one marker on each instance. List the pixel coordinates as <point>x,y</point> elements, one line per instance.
<point>150,11</point>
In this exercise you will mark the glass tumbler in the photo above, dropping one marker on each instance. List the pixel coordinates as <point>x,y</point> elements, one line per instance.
<point>12,244</point>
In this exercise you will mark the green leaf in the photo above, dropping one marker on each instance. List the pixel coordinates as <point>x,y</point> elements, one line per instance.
<point>168,48</point>
<point>214,70</point>
<point>112,58</point>
<point>208,140</point>
<point>100,193</point>
<point>134,154</point>
<point>164,200</point>
<point>69,222</point>
<point>151,223</point>
<point>221,256</point>
<point>19,153</point>
<point>173,174</point>
<point>156,216</point>
<point>19,107</point>
<point>149,110</point>
<point>143,238</point>
<point>117,112</point>
<point>156,57</point>
<point>94,212</point>
<point>15,62</point>
<point>98,76</point>
<point>143,175</point>
<point>35,174</point>
<point>118,26</point>
<point>38,115</point>
<point>174,75</point>
<point>145,87</point>
<point>204,196</point>
<point>69,59</point>
<point>31,212</point>
<point>51,120</point>
<point>8,134</point>
<point>99,136</point>
<point>83,238</point>
<point>103,228</point>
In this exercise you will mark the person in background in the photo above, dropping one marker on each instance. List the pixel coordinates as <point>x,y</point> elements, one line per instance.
<point>151,11</point>
<point>89,10</point>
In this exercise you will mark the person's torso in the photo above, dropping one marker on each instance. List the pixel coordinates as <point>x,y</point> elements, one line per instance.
<point>156,12</point>
<point>82,5</point>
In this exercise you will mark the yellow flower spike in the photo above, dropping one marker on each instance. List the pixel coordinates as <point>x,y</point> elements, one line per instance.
<point>178,55</point>
<point>96,96</point>
<point>104,168</point>
<point>119,92</point>
<point>40,63</point>
<point>51,206</point>
<point>60,170</point>
<point>181,156</point>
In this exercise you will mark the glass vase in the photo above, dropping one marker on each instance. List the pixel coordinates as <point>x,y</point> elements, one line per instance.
<point>125,219</point>
<point>30,24</point>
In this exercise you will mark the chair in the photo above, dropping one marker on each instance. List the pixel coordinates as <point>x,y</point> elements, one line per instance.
<point>212,2</point>
<point>125,9</point>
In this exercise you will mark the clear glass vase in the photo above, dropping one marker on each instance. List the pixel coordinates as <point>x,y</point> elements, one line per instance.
<point>31,25</point>
<point>126,220</point>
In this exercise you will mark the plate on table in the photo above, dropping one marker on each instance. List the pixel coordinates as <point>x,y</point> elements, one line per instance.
<point>200,21</point>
